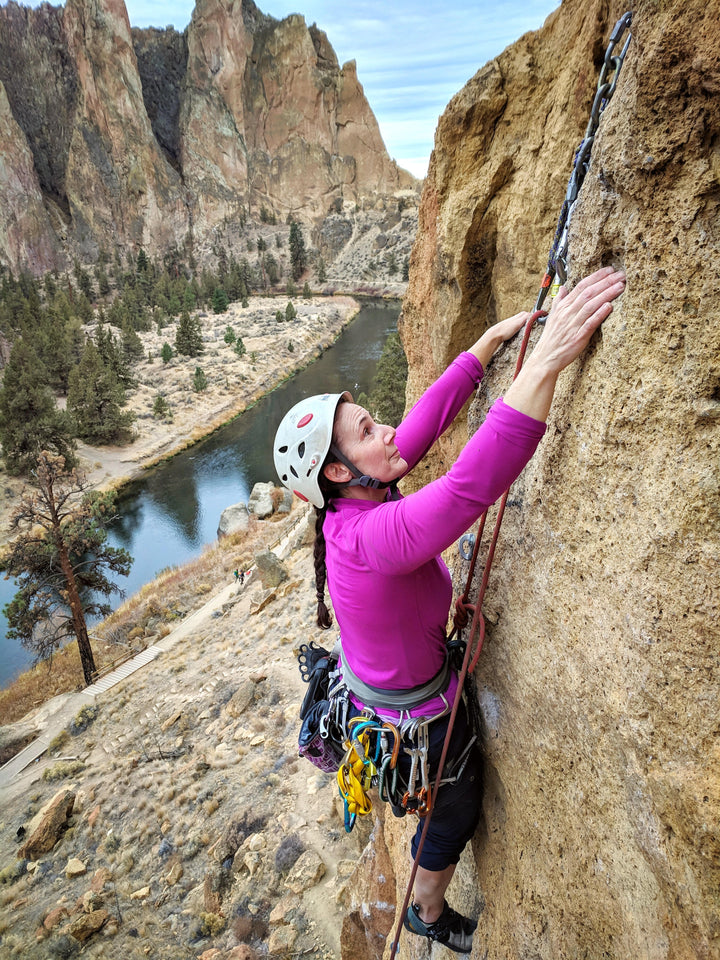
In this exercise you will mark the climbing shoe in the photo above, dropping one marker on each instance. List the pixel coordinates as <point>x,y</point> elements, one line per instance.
<point>451,929</point>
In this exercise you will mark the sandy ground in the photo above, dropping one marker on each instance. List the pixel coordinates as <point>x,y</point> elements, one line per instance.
<point>172,761</point>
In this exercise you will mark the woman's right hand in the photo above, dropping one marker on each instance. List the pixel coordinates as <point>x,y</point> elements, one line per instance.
<point>573,319</point>
<point>575,316</point>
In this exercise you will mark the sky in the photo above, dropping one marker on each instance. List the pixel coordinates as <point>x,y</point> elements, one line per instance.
<point>412,55</point>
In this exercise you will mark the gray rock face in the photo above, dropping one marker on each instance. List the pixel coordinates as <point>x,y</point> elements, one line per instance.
<point>233,519</point>
<point>260,504</point>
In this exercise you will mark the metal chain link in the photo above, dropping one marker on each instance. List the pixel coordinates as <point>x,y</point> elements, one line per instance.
<point>607,82</point>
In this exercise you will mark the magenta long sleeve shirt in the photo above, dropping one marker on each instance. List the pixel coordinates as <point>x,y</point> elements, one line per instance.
<point>390,590</point>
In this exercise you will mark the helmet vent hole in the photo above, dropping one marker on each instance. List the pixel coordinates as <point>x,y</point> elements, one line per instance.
<point>284,478</point>
<point>282,449</point>
<point>301,450</point>
<point>293,472</point>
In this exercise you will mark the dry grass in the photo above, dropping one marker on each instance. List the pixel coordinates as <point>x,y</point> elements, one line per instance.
<point>143,618</point>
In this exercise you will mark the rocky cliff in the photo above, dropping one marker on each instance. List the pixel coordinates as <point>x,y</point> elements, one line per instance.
<point>599,681</point>
<point>113,137</point>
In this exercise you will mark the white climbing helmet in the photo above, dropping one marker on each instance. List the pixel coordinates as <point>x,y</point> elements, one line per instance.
<point>302,442</point>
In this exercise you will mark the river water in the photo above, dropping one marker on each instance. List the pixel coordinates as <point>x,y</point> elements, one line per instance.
<point>169,515</point>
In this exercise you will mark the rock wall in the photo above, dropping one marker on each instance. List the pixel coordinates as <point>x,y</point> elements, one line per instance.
<point>152,138</point>
<point>599,682</point>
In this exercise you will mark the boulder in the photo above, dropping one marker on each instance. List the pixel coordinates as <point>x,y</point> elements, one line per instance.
<point>233,519</point>
<point>271,570</point>
<point>260,504</point>
<point>52,823</point>
<point>75,868</point>
<point>241,699</point>
<point>308,870</point>
<point>86,925</point>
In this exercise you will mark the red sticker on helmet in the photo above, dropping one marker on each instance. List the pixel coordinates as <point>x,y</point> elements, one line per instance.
<point>298,494</point>
<point>304,421</point>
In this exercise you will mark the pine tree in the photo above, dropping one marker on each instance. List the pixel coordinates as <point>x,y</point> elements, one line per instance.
<point>29,419</point>
<point>199,380</point>
<point>62,572</point>
<point>132,345</point>
<point>188,339</point>
<point>160,407</point>
<point>94,399</point>
<point>298,257</point>
<point>166,353</point>
<point>219,300</point>
<point>290,311</point>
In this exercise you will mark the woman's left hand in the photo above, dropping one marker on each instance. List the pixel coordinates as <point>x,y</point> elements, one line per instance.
<point>496,335</point>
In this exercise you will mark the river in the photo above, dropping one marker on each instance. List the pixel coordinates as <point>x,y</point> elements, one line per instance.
<point>172,512</point>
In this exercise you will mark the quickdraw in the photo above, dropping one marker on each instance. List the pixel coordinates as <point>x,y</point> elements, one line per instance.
<point>371,759</point>
<point>365,765</point>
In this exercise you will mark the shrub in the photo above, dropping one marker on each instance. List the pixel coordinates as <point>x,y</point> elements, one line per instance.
<point>62,769</point>
<point>83,719</point>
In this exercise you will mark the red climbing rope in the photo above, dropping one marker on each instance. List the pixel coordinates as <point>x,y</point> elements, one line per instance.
<point>474,644</point>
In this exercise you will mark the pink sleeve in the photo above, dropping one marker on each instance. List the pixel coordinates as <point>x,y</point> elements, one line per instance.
<point>437,408</point>
<point>403,534</point>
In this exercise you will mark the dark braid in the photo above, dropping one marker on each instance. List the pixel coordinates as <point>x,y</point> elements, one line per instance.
<point>324,619</point>
<point>328,490</point>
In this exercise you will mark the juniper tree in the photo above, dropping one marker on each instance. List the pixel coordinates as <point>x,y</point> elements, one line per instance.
<point>298,257</point>
<point>95,398</point>
<point>29,418</point>
<point>219,300</point>
<point>188,339</point>
<point>61,561</point>
<point>199,380</point>
<point>387,397</point>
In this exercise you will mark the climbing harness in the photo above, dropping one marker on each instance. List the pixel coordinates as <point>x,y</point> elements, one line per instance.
<point>607,82</point>
<point>557,265</point>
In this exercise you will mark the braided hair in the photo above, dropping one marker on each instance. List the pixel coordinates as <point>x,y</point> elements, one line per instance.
<point>329,490</point>
<point>324,619</point>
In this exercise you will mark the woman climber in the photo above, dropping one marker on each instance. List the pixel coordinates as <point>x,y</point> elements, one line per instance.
<point>379,552</point>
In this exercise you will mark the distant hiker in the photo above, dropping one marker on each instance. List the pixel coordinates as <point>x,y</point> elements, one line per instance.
<point>242,577</point>
<point>237,574</point>
<point>380,553</point>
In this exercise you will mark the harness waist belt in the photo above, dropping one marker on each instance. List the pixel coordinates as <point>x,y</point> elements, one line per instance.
<point>397,699</point>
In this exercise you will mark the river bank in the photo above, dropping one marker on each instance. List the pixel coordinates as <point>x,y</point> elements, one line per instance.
<point>274,351</point>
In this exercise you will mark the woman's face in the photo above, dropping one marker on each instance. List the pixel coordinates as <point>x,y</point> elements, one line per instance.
<point>368,445</point>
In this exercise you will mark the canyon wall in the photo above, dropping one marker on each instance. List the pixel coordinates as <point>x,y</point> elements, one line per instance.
<point>121,139</point>
<point>599,683</point>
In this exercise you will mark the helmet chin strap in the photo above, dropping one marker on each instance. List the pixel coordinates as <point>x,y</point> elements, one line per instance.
<point>359,479</point>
